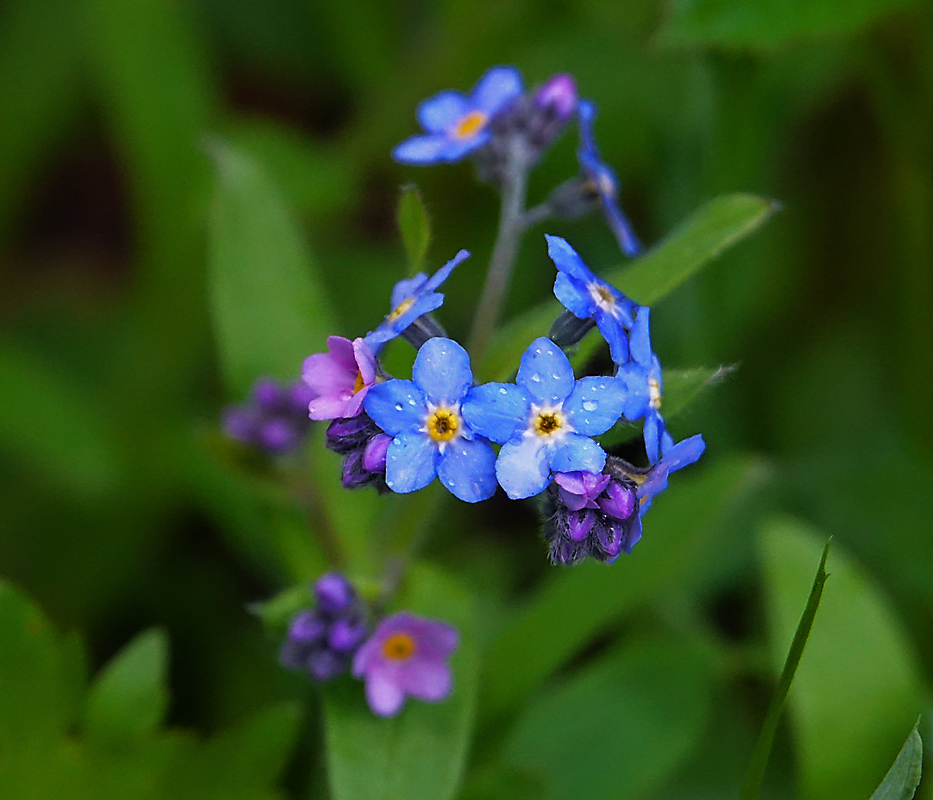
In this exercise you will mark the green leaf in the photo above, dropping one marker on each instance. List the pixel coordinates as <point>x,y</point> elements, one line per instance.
<point>759,759</point>
<point>129,698</point>
<point>682,526</point>
<point>414,225</point>
<point>857,688</point>
<point>903,778</point>
<point>770,23</point>
<point>37,675</point>
<point>681,388</point>
<point>619,727</point>
<point>421,752</point>
<point>717,226</point>
<point>268,304</point>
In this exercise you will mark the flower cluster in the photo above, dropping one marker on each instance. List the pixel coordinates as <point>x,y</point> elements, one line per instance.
<point>405,655</point>
<point>274,420</point>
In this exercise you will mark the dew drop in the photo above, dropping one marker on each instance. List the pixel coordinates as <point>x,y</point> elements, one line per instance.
<point>590,405</point>
<point>536,378</point>
<point>398,406</point>
<point>503,391</point>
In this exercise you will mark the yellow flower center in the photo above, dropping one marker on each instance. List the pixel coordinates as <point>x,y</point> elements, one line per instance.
<point>401,308</point>
<point>547,423</point>
<point>470,124</point>
<point>398,647</point>
<point>443,424</point>
<point>359,383</point>
<point>654,393</point>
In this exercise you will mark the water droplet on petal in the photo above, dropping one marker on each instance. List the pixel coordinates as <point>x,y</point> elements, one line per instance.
<point>590,405</point>
<point>503,391</point>
<point>536,378</point>
<point>398,406</point>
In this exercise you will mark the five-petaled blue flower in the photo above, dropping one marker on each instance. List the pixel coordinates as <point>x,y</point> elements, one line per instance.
<point>411,298</point>
<point>672,458</point>
<point>430,435</point>
<point>456,124</point>
<point>603,181</point>
<point>545,421</point>
<point>621,321</point>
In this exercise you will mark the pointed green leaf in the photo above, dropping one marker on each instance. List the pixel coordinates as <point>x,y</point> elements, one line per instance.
<point>129,698</point>
<point>414,225</point>
<point>717,226</point>
<point>268,303</point>
<point>421,752</point>
<point>903,778</point>
<point>619,727</point>
<point>856,689</point>
<point>681,527</point>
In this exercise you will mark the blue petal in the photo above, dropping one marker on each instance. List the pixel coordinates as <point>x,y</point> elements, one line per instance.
<point>545,373</point>
<point>496,89</point>
<point>410,462</point>
<point>614,333</point>
<point>595,404</point>
<point>496,410</point>
<point>522,467</point>
<point>423,150</point>
<point>444,110</point>
<point>408,288</point>
<point>567,260</point>
<point>685,453</point>
<point>457,148</point>
<point>637,395</point>
<point>425,304</point>
<point>442,371</point>
<point>653,431</point>
<point>468,469</point>
<point>587,111</point>
<point>640,337</point>
<point>576,452</point>
<point>444,272</point>
<point>574,296</point>
<point>620,226</point>
<point>395,406</point>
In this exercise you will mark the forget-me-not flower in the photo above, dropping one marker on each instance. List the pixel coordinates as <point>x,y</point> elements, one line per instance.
<point>430,436</point>
<point>545,420</point>
<point>672,458</point>
<point>456,124</point>
<point>411,298</point>
<point>621,321</point>
<point>602,181</point>
<point>339,378</point>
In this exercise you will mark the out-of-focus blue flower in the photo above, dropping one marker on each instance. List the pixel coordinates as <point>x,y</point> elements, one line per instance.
<point>590,515</point>
<point>622,322</point>
<point>457,124</point>
<point>430,436</point>
<point>274,420</point>
<point>411,298</point>
<point>406,655</point>
<point>545,420</point>
<point>323,640</point>
<point>603,181</point>
<point>672,458</point>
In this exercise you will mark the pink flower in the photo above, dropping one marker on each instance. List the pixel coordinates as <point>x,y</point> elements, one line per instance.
<point>340,378</point>
<point>406,655</point>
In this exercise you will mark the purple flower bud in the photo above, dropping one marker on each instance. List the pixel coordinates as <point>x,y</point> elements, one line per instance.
<point>560,94</point>
<point>346,635</point>
<point>374,454</point>
<point>334,593</point>
<point>618,501</point>
<point>580,525</point>
<point>273,420</point>
<point>307,627</point>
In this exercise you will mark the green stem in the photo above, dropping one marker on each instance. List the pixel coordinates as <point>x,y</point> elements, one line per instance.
<point>504,253</point>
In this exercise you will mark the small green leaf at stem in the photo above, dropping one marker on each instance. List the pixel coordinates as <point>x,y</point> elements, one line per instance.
<point>414,225</point>
<point>759,760</point>
<point>904,776</point>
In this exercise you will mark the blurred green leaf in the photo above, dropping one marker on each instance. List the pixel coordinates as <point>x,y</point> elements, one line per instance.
<point>37,677</point>
<point>130,696</point>
<point>620,726</point>
<point>856,688</point>
<point>770,23</point>
<point>717,226</point>
<point>904,776</point>
<point>269,307</point>
<point>50,424</point>
<point>421,752</point>
<point>759,759</point>
<point>415,227</point>
<point>682,525</point>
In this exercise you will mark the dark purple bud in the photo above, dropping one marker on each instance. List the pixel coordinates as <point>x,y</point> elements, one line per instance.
<point>374,455</point>
<point>618,501</point>
<point>350,433</point>
<point>334,593</point>
<point>580,524</point>
<point>267,394</point>
<point>277,436</point>
<point>307,627</point>
<point>346,635</point>
<point>560,94</point>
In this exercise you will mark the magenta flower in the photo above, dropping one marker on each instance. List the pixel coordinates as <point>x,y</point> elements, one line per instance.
<point>406,655</point>
<point>340,378</point>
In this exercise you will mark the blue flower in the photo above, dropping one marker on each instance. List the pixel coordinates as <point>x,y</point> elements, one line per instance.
<point>455,124</point>
<point>411,298</point>
<point>621,321</point>
<point>603,181</point>
<point>545,421</point>
<point>430,436</point>
<point>672,458</point>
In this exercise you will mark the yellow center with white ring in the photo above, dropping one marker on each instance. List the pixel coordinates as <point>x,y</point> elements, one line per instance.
<point>603,297</point>
<point>442,424</point>
<point>548,423</point>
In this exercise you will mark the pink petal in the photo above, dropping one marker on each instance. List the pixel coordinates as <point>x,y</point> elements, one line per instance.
<point>328,406</point>
<point>326,376</point>
<point>427,679</point>
<point>384,697</point>
<point>341,350</point>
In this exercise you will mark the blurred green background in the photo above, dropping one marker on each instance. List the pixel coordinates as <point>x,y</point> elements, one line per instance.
<point>121,509</point>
